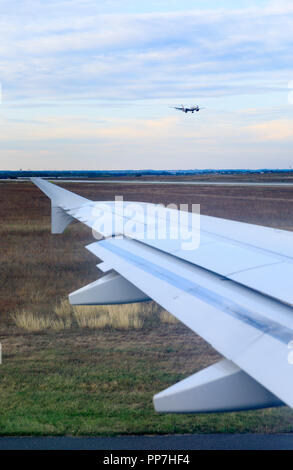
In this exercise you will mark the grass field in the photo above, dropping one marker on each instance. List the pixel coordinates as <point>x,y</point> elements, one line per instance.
<point>91,381</point>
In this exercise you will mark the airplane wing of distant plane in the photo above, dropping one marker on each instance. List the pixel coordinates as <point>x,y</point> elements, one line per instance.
<point>184,110</point>
<point>234,290</point>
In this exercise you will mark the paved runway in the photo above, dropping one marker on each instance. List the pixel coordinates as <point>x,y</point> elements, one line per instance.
<point>176,442</point>
<point>195,183</point>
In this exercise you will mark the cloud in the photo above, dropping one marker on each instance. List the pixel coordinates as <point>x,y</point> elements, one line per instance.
<point>191,131</point>
<point>154,55</point>
<point>171,142</point>
<point>68,127</point>
<point>277,130</point>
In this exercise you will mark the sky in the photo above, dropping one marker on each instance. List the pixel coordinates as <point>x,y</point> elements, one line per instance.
<point>90,84</point>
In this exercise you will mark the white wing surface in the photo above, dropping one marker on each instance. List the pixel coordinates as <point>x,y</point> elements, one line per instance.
<point>234,290</point>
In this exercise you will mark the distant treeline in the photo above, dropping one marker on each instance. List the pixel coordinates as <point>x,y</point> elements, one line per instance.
<point>128,173</point>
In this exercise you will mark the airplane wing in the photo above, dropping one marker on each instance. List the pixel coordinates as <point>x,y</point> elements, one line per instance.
<point>234,290</point>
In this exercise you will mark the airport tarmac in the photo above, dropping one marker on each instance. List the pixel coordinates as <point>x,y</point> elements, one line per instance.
<point>137,181</point>
<point>195,183</point>
<point>169,442</point>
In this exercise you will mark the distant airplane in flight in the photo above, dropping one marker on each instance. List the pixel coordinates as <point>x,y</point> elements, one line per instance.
<point>186,110</point>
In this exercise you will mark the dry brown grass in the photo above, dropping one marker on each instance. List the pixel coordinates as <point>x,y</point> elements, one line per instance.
<point>166,317</point>
<point>125,317</point>
<point>60,319</point>
<point>109,317</point>
<point>118,317</point>
<point>35,323</point>
<point>63,309</point>
<point>91,320</point>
